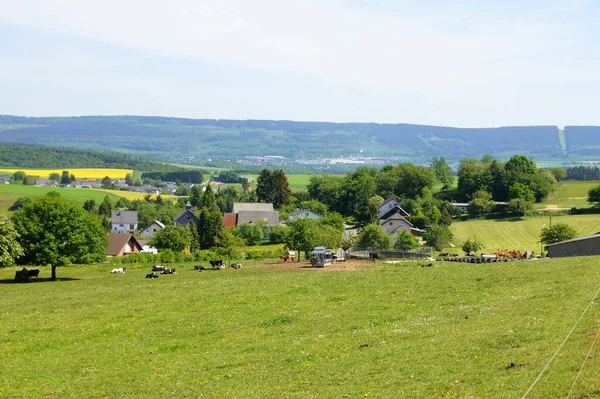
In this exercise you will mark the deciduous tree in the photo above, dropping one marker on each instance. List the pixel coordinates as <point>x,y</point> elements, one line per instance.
<point>557,233</point>
<point>10,248</point>
<point>56,231</point>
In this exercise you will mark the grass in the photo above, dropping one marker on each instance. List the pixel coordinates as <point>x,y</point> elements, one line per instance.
<point>80,195</point>
<point>386,331</point>
<point>80,173</point>
<point>570,195</point>
<point>521,234</point>
<point>296,182</point>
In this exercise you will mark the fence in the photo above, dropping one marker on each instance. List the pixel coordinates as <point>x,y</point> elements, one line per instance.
<point>360,253</point>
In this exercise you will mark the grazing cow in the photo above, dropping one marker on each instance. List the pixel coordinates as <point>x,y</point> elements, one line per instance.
<point>158,268</point>
<point>119,270</point>
<point>152,275</point>
<point>33,273</point>
<point>199,268</point>
<point>216,263</point>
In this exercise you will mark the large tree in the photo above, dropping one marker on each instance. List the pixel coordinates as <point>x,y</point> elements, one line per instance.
<point>56,231</point>
<point>265,186</point>
<point>373,237</point>
<point>443,172</point>
<point>177,238</point>
<point>283,194</point>
<point>557,233</point>
<point>10,249</point>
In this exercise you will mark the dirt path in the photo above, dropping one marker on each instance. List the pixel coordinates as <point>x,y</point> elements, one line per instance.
<point>554,208</point>
<point>349,265</point>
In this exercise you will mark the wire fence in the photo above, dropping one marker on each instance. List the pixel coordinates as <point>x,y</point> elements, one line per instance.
<point>369,253</point>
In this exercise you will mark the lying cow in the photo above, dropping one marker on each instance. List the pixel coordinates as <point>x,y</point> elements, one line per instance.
<point>152,275</point>
<point>199,268</point>
<point>119,270</point>
<point>168,271</point>
<point>158,268</point>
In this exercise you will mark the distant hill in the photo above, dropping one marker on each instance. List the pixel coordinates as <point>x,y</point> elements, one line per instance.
<point>176,139</point>
<point>44,157</point>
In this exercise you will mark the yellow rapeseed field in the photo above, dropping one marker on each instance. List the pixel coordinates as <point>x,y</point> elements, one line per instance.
<point>80,173</point>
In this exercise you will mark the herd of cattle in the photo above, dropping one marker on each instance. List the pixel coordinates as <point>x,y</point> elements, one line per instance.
<point>23,276</point>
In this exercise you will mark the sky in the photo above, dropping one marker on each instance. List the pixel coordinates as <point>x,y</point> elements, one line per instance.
<point>464,63</point>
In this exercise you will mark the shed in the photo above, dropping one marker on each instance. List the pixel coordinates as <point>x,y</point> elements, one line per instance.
<point>120,244</point>
<point>581,246</point>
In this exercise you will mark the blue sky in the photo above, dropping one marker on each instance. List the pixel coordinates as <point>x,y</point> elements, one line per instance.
<point>456,63</point>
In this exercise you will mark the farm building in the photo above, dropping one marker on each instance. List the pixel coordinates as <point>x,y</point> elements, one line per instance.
<point>123,221</point>
<point>581,246</point>
<point>251,213</point>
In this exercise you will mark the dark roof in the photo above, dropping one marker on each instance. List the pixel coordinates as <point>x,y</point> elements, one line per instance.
<point>185,216</point>
<point>395,210</point>
<point>116,242</point>
<point>574,240</point>
<point>395,216</point>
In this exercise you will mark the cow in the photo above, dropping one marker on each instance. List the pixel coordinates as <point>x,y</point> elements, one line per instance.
<point>119,270</point>
<point>33,273</point>
<point>152,275</point>
<point>199,268</point>
<point>158,268</point>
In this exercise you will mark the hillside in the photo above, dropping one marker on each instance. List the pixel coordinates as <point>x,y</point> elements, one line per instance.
<point>176,139</point>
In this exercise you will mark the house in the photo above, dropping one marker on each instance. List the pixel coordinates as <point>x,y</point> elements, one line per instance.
<point>581,246</point>
<point>123,221</point>
<point>146,248</point>
<point>122,244</point>
<point>303,213</point>
<point>186,216</point>
<point>388,206</point>
<point>153,228</point>
<point>46,182</point>
<point>252,212</point>
<point>392,218</point>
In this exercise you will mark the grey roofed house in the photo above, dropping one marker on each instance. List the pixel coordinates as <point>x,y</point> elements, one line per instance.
<point>186,216</point>
<point>581,246</point>
<point>250,206</point>
<point>123,221</point>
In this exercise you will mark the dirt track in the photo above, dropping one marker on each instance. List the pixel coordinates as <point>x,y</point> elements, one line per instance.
<point>350,265</point>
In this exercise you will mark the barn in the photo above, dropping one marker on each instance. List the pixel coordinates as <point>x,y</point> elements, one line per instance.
<point>581,246</point>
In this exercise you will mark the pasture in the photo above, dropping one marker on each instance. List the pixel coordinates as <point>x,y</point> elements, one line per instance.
<point>522,234</point>
<point>80,173</point>
<point>296,182</point>
<point>382,331</point>
<point>570,195</point>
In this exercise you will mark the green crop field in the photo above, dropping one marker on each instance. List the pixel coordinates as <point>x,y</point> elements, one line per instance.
<point>10,192</point>
<point>570,195</point>
<point>384,331</point>
<point>516,233</point>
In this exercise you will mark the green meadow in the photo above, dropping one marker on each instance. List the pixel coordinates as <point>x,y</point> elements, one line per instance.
<point>385,331</point>
<point>570,195</point>
<point>10,192</point>
<point>521,234</point>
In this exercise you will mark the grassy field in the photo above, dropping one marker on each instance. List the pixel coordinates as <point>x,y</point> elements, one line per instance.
<point>297,182</point>
<point>518,234</point>
<point>10,192</point>
<point>385,331</point>
<point>570,195</point>
<point>80,173</point>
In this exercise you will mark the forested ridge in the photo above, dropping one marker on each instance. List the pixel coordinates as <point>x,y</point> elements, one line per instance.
<point>176,139</point>
<point>38,156</point>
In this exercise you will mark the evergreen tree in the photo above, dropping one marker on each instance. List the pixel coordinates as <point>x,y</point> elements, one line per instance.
<point>266,186</point>
<point>283,193</point>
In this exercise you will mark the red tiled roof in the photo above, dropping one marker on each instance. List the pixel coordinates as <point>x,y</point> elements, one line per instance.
<point>229,219</point>
<point>385,202</point>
